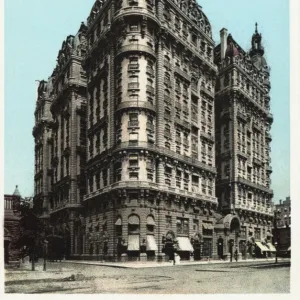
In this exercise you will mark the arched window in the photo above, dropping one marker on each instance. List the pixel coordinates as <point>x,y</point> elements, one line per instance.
<point>133,224</point>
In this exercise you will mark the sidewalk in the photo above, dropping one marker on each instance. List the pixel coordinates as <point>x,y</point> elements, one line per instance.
<point>150,264</point>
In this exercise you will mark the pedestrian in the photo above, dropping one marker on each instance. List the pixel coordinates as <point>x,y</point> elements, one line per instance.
<point>236,254</point>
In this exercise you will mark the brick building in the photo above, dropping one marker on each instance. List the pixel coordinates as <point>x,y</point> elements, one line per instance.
<point>283,212</point>
<point>11,227</point>
<point>138,82</point>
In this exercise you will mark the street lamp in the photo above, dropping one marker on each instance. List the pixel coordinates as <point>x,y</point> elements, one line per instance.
<point>276,252</point>
<point>276,212</point>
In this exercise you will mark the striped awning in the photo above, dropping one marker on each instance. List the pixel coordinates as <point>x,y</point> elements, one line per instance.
<point>184,244</point>
<point>271,247</point>
<point>262,247</point>
<point>151,244</point>
<point>133,243</point>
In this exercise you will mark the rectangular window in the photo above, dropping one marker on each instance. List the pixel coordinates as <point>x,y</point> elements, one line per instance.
<point>134,176</point>
<point>168,222</point>
<point>133,161</point>
<point>133,139</point>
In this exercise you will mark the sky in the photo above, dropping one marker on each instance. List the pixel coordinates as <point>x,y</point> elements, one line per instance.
<point>35,30</point>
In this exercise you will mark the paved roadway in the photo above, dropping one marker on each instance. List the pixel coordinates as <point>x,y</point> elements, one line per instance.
<point>255,277</point>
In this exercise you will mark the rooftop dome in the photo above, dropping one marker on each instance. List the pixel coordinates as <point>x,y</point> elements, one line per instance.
<point>16,192</point>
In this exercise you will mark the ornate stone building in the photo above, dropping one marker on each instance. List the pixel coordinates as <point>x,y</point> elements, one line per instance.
<point>150,164</point>
<point>138,83</point>
<point>60,139</point>
<point>243,122</point>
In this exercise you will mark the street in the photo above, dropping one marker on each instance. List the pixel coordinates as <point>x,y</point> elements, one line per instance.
<point>241,277</point>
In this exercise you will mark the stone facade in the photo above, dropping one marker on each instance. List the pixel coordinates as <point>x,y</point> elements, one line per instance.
<point>143,183</point>
<point>60,139</point>
<point>243,122</point>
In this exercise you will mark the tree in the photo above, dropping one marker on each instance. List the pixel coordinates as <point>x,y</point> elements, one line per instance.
<point>33,233</point>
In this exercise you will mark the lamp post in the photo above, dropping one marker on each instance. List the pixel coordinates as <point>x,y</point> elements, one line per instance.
<point>276,252</point>
<point>45,255</point>
<point>276,233</point>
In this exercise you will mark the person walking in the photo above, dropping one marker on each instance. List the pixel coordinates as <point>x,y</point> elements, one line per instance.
<point>236,254</point>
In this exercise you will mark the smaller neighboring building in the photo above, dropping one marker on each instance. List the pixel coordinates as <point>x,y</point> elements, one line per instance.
<point>283,210</point>
<point>11,226</point>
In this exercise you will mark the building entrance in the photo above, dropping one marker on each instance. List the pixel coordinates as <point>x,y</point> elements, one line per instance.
<point>169,250</point>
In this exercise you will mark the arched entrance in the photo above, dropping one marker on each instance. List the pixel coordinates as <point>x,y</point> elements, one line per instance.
<point>232,227</point>
<point>169,245</point>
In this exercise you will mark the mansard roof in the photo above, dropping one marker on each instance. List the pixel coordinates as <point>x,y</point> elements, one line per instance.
<point>72,45</point>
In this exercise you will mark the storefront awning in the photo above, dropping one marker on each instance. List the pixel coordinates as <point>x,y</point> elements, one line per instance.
<point>118,222</point>
<point>271,247</point>
<point>184,244</point>
<point>150,221</point>
<point>269,234</point>
<point>151,244</point>
<point>133,243</point>
<point>208,226</point>
<point>262,247</point>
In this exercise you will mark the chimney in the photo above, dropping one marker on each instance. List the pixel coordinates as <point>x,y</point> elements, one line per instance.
<point>223,35</point>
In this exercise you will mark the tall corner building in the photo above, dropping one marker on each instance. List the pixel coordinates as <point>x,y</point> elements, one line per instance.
<point>243,122</point>
<point>129,168</point>
<point>150,161</point>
